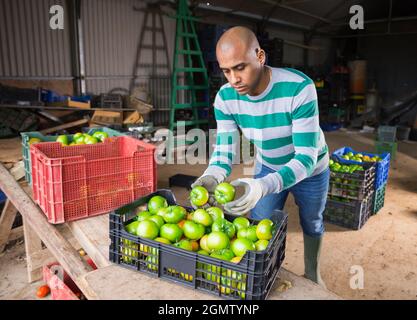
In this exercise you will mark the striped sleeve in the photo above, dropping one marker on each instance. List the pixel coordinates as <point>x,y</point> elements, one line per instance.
<point>305,135</point>
<point>227,139</point>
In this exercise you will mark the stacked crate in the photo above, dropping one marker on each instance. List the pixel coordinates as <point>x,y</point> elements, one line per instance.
<point>350,195</point>
<point>386,140</point>
<point>381,173</point>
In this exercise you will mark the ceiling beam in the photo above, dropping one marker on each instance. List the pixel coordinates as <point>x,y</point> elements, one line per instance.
<point>302,12</point>
<point>253,16</point>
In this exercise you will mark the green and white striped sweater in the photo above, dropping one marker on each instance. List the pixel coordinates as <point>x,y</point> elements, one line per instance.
<point>282,122</point>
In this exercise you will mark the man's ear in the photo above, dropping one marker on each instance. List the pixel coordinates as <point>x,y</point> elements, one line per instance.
<point>261,56</point>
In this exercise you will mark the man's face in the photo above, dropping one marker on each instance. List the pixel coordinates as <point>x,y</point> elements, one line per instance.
<point>241,68</point>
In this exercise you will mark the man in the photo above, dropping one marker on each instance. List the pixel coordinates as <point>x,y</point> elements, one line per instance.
<point>276,109</point>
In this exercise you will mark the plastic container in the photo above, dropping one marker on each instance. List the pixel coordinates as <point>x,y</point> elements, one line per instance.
<point>182,180</point>
<point>328,127</point>
<point>387,133</point>
<point>250,279</point>
<point>350,214</point>
<point>357,185</point>
<point>71,183</point>
<point>403,133</point>
<point>61,285</point>
<point>386,147</point>
<point>379,199</point>
<point>382,166</point>
<point>3,196</point>
<point>26,136</point>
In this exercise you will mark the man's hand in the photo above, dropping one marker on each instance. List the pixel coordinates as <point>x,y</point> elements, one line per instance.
<point>210,183</point>
<point>254,191</point>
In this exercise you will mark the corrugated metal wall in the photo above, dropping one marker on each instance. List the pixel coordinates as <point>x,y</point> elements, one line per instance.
<point>28,46</point>
<point>111,35</point>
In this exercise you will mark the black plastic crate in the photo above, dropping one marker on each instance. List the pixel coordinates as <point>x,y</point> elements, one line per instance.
<point>182,180</point>
<point>356,186</point>
<point>112,101</point>
<point>351,214</point>
<point>250,279</point>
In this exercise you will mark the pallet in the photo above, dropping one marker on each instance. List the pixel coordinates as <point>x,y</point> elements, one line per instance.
<point>110,281</point>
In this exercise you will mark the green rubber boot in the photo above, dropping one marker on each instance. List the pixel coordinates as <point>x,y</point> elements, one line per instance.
<point>312,248</point>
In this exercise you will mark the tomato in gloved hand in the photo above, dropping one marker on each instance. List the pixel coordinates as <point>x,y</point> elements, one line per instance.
<point>224,193</point>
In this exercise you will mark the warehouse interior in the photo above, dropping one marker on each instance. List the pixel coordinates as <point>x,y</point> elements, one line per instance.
<point>144,69</point>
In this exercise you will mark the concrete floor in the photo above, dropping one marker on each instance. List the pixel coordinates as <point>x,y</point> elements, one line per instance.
<point>386,247</point>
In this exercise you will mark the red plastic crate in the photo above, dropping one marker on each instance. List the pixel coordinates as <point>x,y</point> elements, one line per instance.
<point>61,285</point>
<point>75,182</point>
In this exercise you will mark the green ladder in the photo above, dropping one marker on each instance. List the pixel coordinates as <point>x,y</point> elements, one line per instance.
<point>193,64</point>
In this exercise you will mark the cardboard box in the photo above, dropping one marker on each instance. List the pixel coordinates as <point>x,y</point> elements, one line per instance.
<point>133,117</point>
<point>107,117</point>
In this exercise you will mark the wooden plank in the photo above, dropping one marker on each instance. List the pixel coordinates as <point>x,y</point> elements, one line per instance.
<point>66,255</point>
<point>16,233</point>
<point>107,117</point>
<point>18,170</point>
<point>6,223</point>
<point>32,244</point>
<point>11,150</point>
<point>65,126</point>
<point>68,235</point>
<point>132,285</point>
<point>38,259</point>
<point>93,236</point>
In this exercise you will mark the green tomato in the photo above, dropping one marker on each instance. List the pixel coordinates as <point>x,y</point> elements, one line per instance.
<point>63,139</point>
<point>132,227</point>
<point>101,135</point>
<point>261,245</point>
<point>248,233</point>
<point>264,229</point>
<point>199,196</point>
<point>171,232</point>
<point>90,140</point>
<point>193,230</point>
<point>142,215</point>
<point>203,217</point>
<point>215,213</point>
<point>174,214</point>
<point>157,219</point>
<point>147,229</point>
<point>224,193</point>
<point>155,203</point>
<point>225,226</point>
<point>241,223</point>
<point>240,246</point>
<point>184,244</point>
<point>217,240</point>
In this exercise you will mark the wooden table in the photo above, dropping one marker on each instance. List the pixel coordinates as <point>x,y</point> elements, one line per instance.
<point>109,281</point>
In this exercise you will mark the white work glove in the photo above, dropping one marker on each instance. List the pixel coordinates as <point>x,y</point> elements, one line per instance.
<point>210,183</point>
<point>254,191</point>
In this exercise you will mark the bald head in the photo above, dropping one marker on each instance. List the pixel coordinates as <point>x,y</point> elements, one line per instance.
<point>241,59</point>
<point>237,39</point>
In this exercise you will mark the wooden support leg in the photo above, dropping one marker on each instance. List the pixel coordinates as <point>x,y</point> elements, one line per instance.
<point>36,256</point>
<point>6,223</point>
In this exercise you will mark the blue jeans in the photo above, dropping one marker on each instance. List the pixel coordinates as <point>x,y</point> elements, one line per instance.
<point>310,196</point>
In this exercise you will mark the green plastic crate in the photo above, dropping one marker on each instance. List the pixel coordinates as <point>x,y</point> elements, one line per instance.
<point>390,147</point>
<point>26,136</point>
<point>379,198</point>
